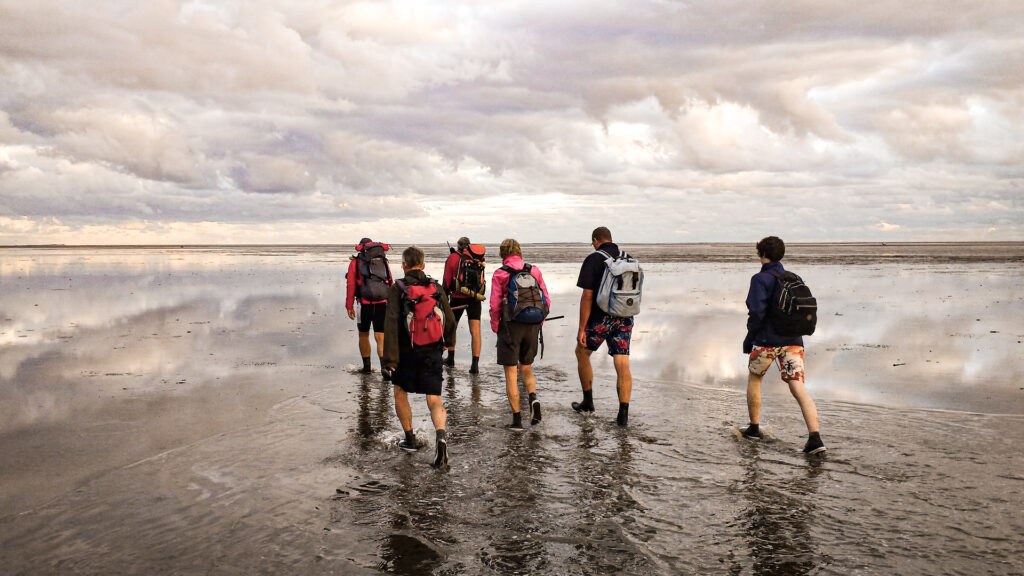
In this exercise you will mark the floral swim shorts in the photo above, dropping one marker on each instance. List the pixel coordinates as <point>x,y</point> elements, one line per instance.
<point>616,331</point>
<point>790,358</point>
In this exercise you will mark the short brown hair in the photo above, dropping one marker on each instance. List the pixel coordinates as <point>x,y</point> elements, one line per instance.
<point>601,234</point>
<point>463,242</point>
<point>412,257</point>
<point>510,246</point>
<point>772,248</point>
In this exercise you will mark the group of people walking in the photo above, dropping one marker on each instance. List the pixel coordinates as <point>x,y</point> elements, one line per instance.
<point>414,320</point>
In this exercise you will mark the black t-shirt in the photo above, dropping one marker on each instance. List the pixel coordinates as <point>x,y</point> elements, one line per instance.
<point>591,273</point>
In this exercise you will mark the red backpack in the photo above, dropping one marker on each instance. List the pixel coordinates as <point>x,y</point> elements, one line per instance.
<point>423,316</point>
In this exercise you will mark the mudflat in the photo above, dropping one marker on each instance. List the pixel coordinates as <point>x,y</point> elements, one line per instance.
<point>195,410</point>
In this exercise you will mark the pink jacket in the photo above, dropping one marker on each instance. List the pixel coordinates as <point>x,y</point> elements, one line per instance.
<point>499,286</point>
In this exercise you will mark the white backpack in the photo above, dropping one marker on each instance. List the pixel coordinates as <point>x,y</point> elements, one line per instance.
<point>621,285</point>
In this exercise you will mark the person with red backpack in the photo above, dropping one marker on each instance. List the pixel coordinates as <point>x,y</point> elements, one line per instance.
<point>519,304</point>
<point>466,285</point>
<point>368,280</point>
<point>418,325</point>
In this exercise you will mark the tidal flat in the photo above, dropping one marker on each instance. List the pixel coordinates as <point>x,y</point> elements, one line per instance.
<point>195,410</point>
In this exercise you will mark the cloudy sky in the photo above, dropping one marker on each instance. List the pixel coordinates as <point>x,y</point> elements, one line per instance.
<point>319,121</point>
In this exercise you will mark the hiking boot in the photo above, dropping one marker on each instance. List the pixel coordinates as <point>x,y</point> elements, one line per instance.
<point>582,407</point>
<point>752,433</point>
<point>814,445</point>
<point>450,360</point>
<point>441,456</point>
<point>622,419</point>
<point>385,374</point>
<point>365,370</point>
<point>535,410</point>
<point>409,445</point>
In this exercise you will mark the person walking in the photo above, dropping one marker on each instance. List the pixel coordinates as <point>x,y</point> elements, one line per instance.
<point>465,284</point>
<point>367,282</point>
<point>519,303</point>
<point>764,345</point>
<point>597,327</point>
<point>418,325</point>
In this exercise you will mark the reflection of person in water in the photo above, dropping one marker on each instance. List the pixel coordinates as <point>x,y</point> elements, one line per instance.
<point>604,508</point>
<point>518,490</point>
<point>776,517</point>
<point>372,418</point>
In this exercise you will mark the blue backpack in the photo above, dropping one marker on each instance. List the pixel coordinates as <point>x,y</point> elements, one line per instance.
<point>525,302</point>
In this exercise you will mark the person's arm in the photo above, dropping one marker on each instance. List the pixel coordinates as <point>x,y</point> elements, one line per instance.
<point>586,301</point>
<point>391,319</point>
<point>350,289</point>
<point>497,294</point>
<point>451,267</point>
<point>757,309</point>
<point>449,319</point>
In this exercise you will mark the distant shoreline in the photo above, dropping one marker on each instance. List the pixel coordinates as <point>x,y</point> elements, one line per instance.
<point>840,253</point>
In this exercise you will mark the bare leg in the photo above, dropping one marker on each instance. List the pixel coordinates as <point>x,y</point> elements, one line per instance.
<point>379,337</point>
<point>807,406</point>
<point>474,331</point>
<point>437,412</point>
<point>402,408</point>
<point>529,379</point>
<point>754,397</point>
<point>586,371</point>
<point>512,387</point>
<point>364,344</point>
<point>623,378</point>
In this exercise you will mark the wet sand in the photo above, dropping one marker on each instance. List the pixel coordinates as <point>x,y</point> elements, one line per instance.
<point>193,411</point>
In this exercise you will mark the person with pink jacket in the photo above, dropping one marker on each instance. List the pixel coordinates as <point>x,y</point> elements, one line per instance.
<point>519,303</point>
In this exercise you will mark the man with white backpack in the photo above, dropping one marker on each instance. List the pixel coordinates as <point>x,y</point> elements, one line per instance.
<point>612,283</point>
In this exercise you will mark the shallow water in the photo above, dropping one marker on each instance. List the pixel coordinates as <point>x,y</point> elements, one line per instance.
<point>192,411</point>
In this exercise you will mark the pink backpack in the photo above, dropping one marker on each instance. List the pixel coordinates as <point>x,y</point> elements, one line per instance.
<point>423,316</point>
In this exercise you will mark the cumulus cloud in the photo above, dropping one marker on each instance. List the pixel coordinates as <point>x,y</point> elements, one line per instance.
<point>189,120</point>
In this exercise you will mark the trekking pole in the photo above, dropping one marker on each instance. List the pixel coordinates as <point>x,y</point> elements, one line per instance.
<point>554,318</point>
<point>459,307</point>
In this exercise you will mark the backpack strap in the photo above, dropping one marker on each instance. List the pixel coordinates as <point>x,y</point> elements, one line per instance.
<point>607,255</point>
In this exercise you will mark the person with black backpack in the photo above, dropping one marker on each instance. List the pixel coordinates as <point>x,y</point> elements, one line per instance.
<point>519,304</point>
<point>465,283</point>
<point>368,280</point>
<point>417,327</point>
<point>781,311</point>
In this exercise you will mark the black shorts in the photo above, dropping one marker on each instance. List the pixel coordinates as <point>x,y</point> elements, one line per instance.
<point>372,313</point>
<point>472,308</point>
<point>419,370</point>
<point>517,343</point>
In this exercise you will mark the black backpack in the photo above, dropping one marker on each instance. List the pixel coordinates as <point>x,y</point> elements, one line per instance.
<point>794,311</point>
<point>469,277</point>
<point>374,274</point>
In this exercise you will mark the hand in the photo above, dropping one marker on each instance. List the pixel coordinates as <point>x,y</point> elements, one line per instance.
<point>351,314</point>
<point>581,338</point>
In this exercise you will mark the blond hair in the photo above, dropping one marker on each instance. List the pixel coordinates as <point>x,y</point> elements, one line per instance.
<point>510,246</point>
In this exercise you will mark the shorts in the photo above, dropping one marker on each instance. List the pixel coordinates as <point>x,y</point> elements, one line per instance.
<point>472,308</point>
<point>372,314</point>
<point>790,358</point>
<point>517,343</point>
<point>616,331</point>
<point>419,370</point>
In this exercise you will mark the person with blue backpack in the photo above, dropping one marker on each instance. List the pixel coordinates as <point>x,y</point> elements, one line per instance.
<point>611,283</point>
<point>780,311</point>
<point>518,306</point>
